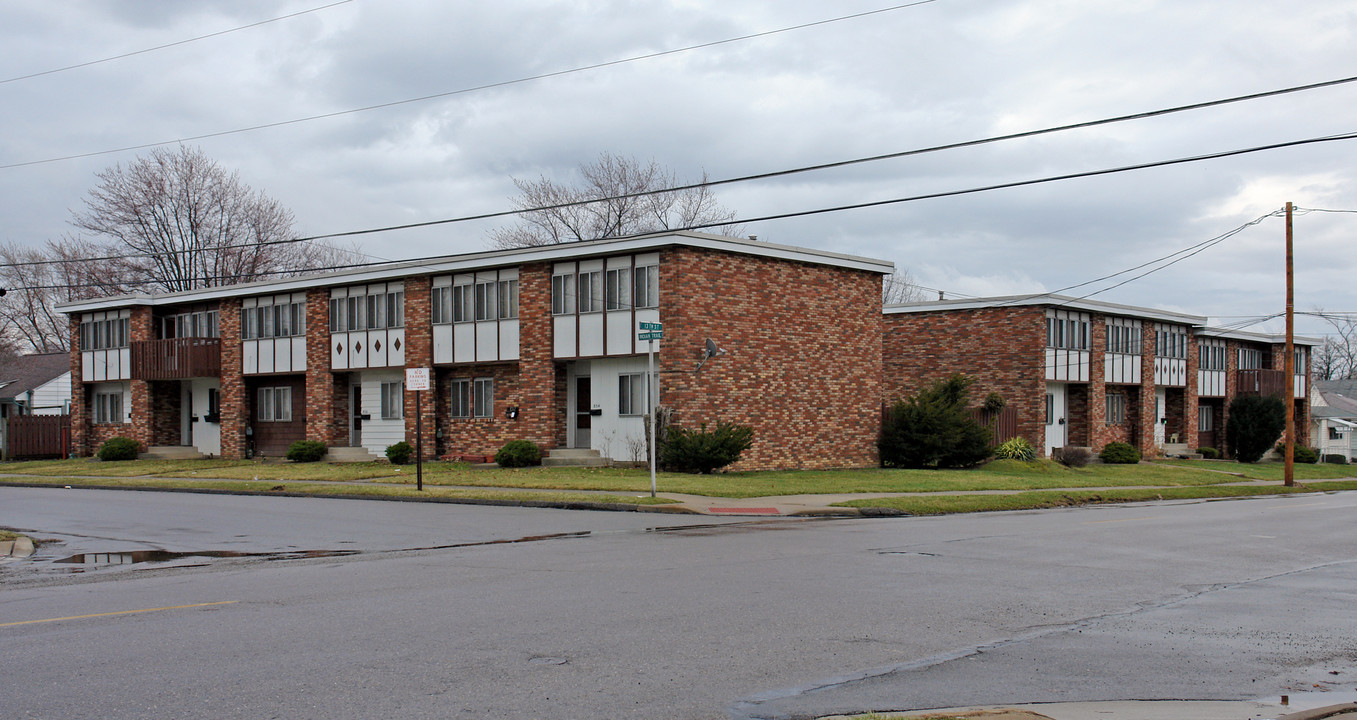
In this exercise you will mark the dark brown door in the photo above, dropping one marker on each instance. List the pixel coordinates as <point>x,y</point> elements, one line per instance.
<point>583,419</point>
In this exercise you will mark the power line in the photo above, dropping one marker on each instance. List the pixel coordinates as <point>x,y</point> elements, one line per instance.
<point>169,45</point>
<point>486,86</point>
<point>780,216</point>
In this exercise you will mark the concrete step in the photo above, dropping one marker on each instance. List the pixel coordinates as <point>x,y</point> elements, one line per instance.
<point>171,452</point>
<point>349,454</point>
<point>574,457</point>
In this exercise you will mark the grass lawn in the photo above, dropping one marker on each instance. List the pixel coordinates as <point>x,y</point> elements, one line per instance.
<point>1269,470</point>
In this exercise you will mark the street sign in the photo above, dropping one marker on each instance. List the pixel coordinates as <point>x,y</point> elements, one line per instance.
<point>417,379</point>
<point>652,326</point>
<point>651,336</point>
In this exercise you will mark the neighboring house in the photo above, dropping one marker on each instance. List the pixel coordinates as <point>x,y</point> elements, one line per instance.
<point>532,343</point>
<point>1085,373</point>
<point>1334,417</point>
<point>36,385</point>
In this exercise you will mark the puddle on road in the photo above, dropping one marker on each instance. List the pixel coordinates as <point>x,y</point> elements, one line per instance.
<point>94,561</point>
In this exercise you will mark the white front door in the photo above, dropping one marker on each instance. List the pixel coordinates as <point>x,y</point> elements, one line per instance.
<point>1160,415</point>
<point>1055,416</point>
<point>205,401</point>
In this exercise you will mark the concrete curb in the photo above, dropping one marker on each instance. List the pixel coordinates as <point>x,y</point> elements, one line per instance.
<point>1323,712</point>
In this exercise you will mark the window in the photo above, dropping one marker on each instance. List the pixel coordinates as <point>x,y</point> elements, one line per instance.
<point>108,407</point>
<point>1299,367</point>
<point>1067,333</point>
<point>461,303</point>
<point>1206,418</point>
<point>275,404</point>
<point>646,287</point>
<point>1211,357</point>
<point>483,398</point>
<point>1123,339</point>
<point>440,306</point>
<point>485,301</point>
<point>562,295</point>
<point>1250,359</point>
<point>1170,344</point>
<point>104,334</point>
<point>591,291</point>
<point>461,399</point>
<point>213,405</point>
<point>1335,433</point>
<point>284,319</point>
<point>393,400</point>
<point>618,290</point>
<point>508,299</point>
<point>631,394</point>
<point>1050,408</point>
<point>1116,409</point>
<point>337,320</point>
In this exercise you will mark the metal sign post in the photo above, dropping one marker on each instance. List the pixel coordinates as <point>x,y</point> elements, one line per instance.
<point>654,331</point>
<point>417,379</point>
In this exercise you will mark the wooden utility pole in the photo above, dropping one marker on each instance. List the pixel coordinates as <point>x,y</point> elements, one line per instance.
<point>1289,365</point>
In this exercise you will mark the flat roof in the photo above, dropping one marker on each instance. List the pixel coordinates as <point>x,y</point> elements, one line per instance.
<point>467,262</point>
<point>1047,300</point>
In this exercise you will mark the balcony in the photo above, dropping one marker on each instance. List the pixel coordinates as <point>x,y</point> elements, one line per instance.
<point>176,358</point>
<point>1262,382</point>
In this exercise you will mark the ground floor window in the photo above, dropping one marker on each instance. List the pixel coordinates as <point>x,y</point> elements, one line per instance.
<point>108,407</point>
<point>631,394</point>
<point>1116,409</point>
<point>461,399</point>
<point>1206,418</point>
<point>483,398</point>
<point>275,404</point>
<point>393,405</point>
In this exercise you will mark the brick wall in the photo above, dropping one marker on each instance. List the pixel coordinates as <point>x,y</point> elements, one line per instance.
<point>803,355</point>
<point>80,407</point>
<point>327,409</point>
<point>234,408</point>
<point>1001,348</point>
<point>419,354</point>
<point>477,436</point>
<point>166,411</point>
<point>541,408</point>
<point>272,439</point>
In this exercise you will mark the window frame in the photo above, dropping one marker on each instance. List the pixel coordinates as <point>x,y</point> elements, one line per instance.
<point>459,394</point>
<point>645,291</point>
<point>1115,409</point>
<point>274,404</point>
<point>483,398</point>
<point>507,292</point>
<point>632,391</point>
<point>592,300</point>
<point>108,408</point>
<point>393,400</point>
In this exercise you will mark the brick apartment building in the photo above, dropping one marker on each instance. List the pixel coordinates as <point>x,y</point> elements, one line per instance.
<point>1085,373</point>
<point>535,343</point>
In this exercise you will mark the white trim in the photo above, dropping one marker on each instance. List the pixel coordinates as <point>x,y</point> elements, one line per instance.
<point>1266,338</point>
<point>1045,299</point>
<point>490,260</point>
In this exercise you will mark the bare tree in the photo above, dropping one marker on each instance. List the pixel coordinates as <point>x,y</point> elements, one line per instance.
<point>1336,358</point>
<point>37,279</point>
<point>557,213</point>
<point>189,224</point>
<point>899,287</point>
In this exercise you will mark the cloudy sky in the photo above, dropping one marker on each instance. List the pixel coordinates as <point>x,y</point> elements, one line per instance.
<point>911,77</point>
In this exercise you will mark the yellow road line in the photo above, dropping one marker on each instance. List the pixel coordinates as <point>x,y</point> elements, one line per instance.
<point>119,612</point>
<point>1097,522</point>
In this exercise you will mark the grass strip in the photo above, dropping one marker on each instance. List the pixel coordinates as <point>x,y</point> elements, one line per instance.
<point>1268,470</point>
<point>335,489</point>
<point>949,504</point>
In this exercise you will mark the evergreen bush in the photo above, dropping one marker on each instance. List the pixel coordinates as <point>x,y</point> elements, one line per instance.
<point>703,450</point>
<point>1256,421</point>
<point>1209,453</point>
<point>304,451</point>
<point>1303,454</point>
<point>518,453</point>
<point>399,453</point>
<point>119,448</point>
<point>1119,453</point>
<point>935,428</point>
<point>1016,449</point>
<point>1336,459</point>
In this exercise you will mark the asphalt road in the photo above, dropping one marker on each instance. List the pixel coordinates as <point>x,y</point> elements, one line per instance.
<point>769,618</point>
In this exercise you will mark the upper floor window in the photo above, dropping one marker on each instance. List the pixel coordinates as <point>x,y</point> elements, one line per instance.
<point>591,291</point>
<point>1170,344</point>
<point>1211,357</point>
<point>562,294</point>
<point>1067,333</point>
<point>617,292</point>
<point>104,334</point>
<point>508,299</point>
<point>1250,359</point>
<point>202,324</point>
<point>270,321</point>
<point>646,286</point>
<point>486,294</point>
<point>1299,367</point>
<point>374,311</point>
<point>1123,339</point>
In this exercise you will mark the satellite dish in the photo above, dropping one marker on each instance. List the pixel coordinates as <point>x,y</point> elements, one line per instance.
<point>711,349</point>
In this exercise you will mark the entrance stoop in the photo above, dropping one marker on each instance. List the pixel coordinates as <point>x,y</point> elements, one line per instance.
<point>171,452</point>
<point>349,454</point>
<point>574,458</point>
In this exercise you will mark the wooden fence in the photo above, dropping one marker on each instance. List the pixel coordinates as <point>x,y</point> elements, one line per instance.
<point>1005,423</point>
<point>37,436</point>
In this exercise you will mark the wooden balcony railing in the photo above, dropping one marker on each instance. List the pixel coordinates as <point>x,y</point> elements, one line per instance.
<point>176,358</point>
<point>1263,382</point>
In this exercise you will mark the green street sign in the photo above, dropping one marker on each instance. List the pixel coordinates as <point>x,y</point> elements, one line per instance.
<point>652,326</point>
<point>651,336</point>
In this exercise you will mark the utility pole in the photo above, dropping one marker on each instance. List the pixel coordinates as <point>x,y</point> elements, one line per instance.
<point>1289,365</point>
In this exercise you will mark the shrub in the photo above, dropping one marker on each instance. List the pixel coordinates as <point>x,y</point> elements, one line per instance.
<point>1209,453</point>
<point>705,450</point>
<point>306,451</point>
<point>518,453</point>
<point>1016,449</point>
<point>119,448</point>
<point>1336,459</point>
<point>1303,454</point>
<point>934,428</point>
<point>1119,453</point>
<point>399,453</point>
<point>1256,421</point>
<point>994,402</point>
<point>1075,457</point>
